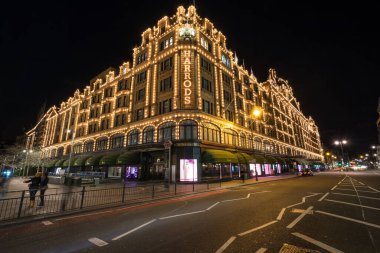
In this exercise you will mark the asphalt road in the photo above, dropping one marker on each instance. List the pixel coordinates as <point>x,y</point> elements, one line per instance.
<point>329,212</point>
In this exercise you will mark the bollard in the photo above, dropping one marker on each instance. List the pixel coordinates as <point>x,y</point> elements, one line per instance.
<point>123,198</point>
<point>82,199</point>
<point>175,188</point>
<point>152,191</point>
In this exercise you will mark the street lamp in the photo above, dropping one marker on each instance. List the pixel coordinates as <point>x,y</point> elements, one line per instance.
<point>341,143</point>
<point>257,113</point>
<point>71,148</point>
<point>26,167</point>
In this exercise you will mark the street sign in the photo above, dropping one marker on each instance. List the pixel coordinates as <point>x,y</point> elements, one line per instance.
<point>168,144</point>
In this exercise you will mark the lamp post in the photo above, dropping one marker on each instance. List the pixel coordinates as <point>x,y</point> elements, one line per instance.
<point>71,148</point>
<point>26,167</point>
<point>341,143</point>
<point>257,113</point>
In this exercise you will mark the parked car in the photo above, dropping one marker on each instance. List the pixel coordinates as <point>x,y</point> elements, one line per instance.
<point>306,172</point>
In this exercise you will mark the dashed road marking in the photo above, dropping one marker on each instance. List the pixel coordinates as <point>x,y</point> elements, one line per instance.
<point>279,217</point>
<point>334,187</point>
<point>258,228</point>
<point>349,219</point>
<point>343,194</point>
<point>208,209</point>
<point>291,225</point>
<point>261,250</point>
<point>226,244</point>
<point>98,242</point>
<point>373,189</point>
<point>324,196</point>
<point>318,243</point>
<point>133,230</point>
<point>351,204</point>
<point>83,215</point>
<point>47,223</point>
<point>182,214</point>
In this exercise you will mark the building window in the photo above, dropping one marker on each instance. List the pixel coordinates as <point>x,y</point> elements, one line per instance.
<point>207,107</point>
<point>108,92</point>
<point>120,120</point>
<point>226,61</point>
<point>95,99</point>
<point>77,149</point>
<point>141,58</point>
<point>230,137</point>
<point>257,144</point>
<point>211,133</point>
<point>101,144</point>
<point>123,85</point>
<point>141,95</point>
<point>239,103</point>
<point>238,88</point>
<point>83,117</point>
<point>104,125</point>
<point>206,84</point>
<point>227,96</point>
<point>249,95</point>
<point>117,141</point>
<point>206,44</point>
<point>139,114</point>
<point>94,113</point>
<point>165,43</point>
<point>188,130</point>
<point>134,137</point>
<point>246,80</point>
<point>166,84</point>
<point>92,128</point>
<point>229,115</point>
<point>205,65</point>
<point>226,79</point>
<point>106,108</point>
<point>148,135</point>
<point>241,120</point>
<point>243,141</point>
<point>141,77</point>
<point>89,146</point>
<point>166,132</point>
<point>122,101</point>
<point>166,64</point>
<point>165,106</point>
<point>83,105</point>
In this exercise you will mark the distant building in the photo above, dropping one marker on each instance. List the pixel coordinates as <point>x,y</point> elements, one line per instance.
<point>184,92</point>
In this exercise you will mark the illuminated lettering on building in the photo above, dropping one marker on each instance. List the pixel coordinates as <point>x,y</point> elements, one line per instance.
<point>187,82</point>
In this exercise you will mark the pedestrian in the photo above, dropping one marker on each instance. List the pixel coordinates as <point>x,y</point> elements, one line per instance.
<point>33,185</point>
<point>43,187</point>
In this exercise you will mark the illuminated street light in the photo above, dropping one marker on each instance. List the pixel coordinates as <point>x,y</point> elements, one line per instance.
<point>26,167</point>
<point>341,143</point>
<point>71,148</point>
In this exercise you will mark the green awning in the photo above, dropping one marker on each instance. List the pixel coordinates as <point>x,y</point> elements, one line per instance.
<point>93,160</point>
<point>129,158</point>
<point>59,162</point>
<point>218,156</point>
<point>270,160</point>
<point>258,159</point>
<point>81,161</point>
<point>66,163</point>
<point>243,158</point>
<point>49,163</point>
<point>109,159</point>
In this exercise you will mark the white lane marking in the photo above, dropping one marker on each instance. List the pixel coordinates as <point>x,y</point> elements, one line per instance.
<point>261,250</point>
<point>373,189</point>
<point>334,187</point>
<point>355,196</point>
<point>83,215</point>
<point>208,209</point>
<point>299,218</point>
<point>361,183</point>
<point>355,191</point>
<point>258,228</point>
<point>47,223</point>
<point>349,219</point>
<point>226,244</point>
<point>248,196</point>
<point>133,230</point>
<point>324,196</point>
<point>295,204</point>
<point>351,204</point>
<point>182,214</point>
<point>97,242</point>
<point>279,217</point>
<point>318,243</point>
<point>303,200</point>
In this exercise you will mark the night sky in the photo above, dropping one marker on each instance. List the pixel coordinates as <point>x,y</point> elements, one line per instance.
<point>328,52</point>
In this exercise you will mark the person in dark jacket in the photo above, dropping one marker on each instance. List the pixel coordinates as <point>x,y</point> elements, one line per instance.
<point>34,184</point>
<point>43,187</point>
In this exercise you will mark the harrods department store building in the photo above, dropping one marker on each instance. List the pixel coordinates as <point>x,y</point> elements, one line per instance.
<point>185,103</point>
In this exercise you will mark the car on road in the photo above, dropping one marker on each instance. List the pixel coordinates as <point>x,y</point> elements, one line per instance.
<point>306,172</point>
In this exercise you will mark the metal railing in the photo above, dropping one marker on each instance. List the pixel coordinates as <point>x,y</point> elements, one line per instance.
<point>19,207</point>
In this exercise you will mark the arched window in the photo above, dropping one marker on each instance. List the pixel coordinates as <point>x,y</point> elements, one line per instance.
<point>166,132</point>
<point>134,137</point>
<point>210,132</point>
<point>60,151</point>
<point>53,153</point>
<point>243,140</point>
<point>257,143</point>
<point>89,146</point>
<point>188,130</point>
<point>250,141</point>
<point>101,144</point>
<point>267,146</point>
<point>117,141</point>
<point>68,149</point>
<point>230,137</point>
<point>148,134</point>
<point>77,148</point>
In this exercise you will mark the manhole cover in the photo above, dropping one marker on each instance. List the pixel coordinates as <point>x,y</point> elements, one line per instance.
<point>287,248</point>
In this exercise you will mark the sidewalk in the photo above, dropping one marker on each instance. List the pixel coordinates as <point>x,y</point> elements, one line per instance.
<point>68,199</point>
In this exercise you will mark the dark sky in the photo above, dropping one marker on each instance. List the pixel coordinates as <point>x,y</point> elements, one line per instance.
<point>329,52</point>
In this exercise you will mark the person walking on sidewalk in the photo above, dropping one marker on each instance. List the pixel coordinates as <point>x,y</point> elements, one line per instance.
<point>43,187</point>
<point>34,184</point>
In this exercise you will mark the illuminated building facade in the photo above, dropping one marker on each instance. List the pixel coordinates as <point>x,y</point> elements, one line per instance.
<point>185,103</point>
